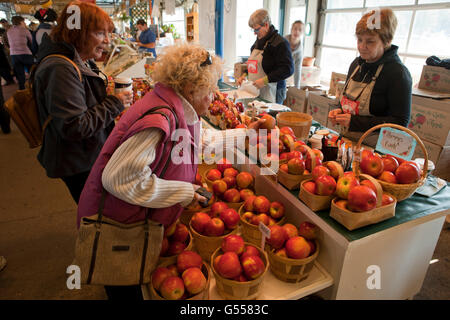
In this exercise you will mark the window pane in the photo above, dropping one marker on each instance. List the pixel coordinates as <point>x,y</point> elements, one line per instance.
<point>388,3</point>
<point>335,60</point>
<point>296,13</point>
<point>244,35</point>
<point>415,67</point>
<point>339,4</point>
<point>432,1</point>
<point>177,20</point>
<point>401,34</point>
<point>340,29</point>
<point>430,33</point>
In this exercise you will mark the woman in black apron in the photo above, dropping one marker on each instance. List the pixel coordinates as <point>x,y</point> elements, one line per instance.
<point>378,86</point>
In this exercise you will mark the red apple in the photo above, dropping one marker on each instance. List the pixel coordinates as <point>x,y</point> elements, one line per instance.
<point>369,184</point>
<point>284,167</point>
<point>270,122</point>
<point>194,280</point>
<point>232,195</point>
<point>325,185</point>
<point>386,199</point>
<point>199,221</point>
<point>159,275</point>
<point>230,181</point>
<point>253,267</point>
<point>219,187</point>
<point>164,247</point>
<point>284,156</point>
<point>318,153</point>
<point>407,172</point>
<point>188,259</point>
<point>296,166</point>
<point>198,179</point>
<point>291,230</point>
<point>174,270</point>
<point>217,208</point>
<point>308,230</point>
<point>181,233</point>
<point>240,278</point>
<point>287,130</point>
<point>249,203</point>
<point>390,164</point>
<point>310,186</point>
<point>278,236</point>
<point>245,193</point>
<point>168,232</point>
<point>345,184</point>
<point>223,164</point>
<point>336,169</point>
<point>276,210</point>
<point>175,248</point>
<point>361,198</point>
<point>214,228</point>
<point>262,217</point>
<point>288,141</point>
<point>303,148</point>
<point>312,246</point>
<point>281,253</point>
<point>372,165</point>
<point>387,176</point>
<point>244,180</point>
<point>233,243</point>
<point>308,162</point>
<point>213,175</point>
<point>342,204</point>
<point>248,216</point>
<point>229,266</point>
<point>230,172</point>
<point>297,248</point>
<point>249,251</point>
<point>320,171</point>
<point>294,154</point>
<point>230,218</point>
<point>172,288</point>
<point>261,204</point>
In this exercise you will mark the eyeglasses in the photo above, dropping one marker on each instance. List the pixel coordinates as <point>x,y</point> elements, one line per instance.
<point>207,62</point>
<point>257,29</point>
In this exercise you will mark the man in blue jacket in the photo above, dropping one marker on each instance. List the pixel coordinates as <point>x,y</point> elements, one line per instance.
<point>147,39</point>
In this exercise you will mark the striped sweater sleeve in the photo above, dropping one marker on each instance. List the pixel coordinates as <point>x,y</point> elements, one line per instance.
<point>128,175</point>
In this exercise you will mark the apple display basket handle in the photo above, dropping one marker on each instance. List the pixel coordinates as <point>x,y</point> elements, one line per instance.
<point>399,191</point>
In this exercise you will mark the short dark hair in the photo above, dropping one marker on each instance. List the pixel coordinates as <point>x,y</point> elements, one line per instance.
<point>141,22</point>
<point>3,21</point>
<point>16,20</point>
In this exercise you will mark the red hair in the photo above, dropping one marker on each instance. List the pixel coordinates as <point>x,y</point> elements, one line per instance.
<point>92,19</point>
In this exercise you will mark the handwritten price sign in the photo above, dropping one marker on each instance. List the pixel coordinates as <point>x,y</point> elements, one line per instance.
<point>397,143</point>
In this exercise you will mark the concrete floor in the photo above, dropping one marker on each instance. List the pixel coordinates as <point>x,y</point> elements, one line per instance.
<point>38,230</point>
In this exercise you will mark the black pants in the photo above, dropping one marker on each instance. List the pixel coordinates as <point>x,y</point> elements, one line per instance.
<point>20,62</point>
<point>4,115</point>
<point>5,68</point>
<point>75,184</point>
<point>129,293</point>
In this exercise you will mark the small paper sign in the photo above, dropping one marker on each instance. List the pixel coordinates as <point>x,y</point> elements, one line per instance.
<point>265,231</point>
<point>397,143</point>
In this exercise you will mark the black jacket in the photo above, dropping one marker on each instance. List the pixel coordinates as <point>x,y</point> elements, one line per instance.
<point>277,56</point>
<point>391,96</point>
<point>83,115</point>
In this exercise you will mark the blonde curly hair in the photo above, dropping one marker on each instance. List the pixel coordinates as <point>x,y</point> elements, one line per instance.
<point>181,64</point>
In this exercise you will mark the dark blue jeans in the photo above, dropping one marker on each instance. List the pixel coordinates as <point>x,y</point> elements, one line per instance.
<point>281,91</point>
<point>20,62</point>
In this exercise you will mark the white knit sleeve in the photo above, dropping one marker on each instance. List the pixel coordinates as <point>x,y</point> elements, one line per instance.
<point>128,176</point>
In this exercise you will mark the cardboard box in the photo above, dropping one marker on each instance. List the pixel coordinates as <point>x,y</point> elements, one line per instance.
<point>310,76</point>
<point>296,99</point>
<point>435,79</point>
<point>335,78</point>
<point>430,120</point>
<point>440,157</point>
<point>319,106</point>
<point>239,69</point>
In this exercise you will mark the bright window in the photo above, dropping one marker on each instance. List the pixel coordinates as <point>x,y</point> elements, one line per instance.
<point>296,13</point>
<point>177,20</point>
<point>245,37</point>
<point>2,15</point>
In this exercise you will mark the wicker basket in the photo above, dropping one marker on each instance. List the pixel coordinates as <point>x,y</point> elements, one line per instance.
<point>313,201</point>
<point>292,181</point>
<point>187,214</point>
<point>298,121</point>
<point>204,295</point>
<point>399,191</point>
<point>206,245</point>
<point>250,232</point>
<point>235,290</point>
<point>235,205</point>
<point>291,270</point>
<point>354,220</point>
<point>173,259</point>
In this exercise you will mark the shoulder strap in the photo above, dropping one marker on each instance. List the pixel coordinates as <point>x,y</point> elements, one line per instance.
<point>68,60</point>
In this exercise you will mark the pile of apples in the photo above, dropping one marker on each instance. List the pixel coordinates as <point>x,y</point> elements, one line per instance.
<point>229,184</point>
<point>181,280</point>
<point>218,221</point>
<point>358,196</point>
<point>238,261</point>
<point>228,111</point>
<point>176,239</point>
<point>259,209</point>
<point>389,169</point>
<point>288,241</point>
<point>299,161</point>
<point>324,179</point>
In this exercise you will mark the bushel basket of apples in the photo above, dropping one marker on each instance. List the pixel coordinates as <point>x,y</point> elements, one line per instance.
<point>361,202</point>
<point>398,177</point>
<point>318,192</point>
<point>258,209</point>
<point>292,251</point>
<point>188,278</point>
<point>239,269</point>
<point>177,239</point>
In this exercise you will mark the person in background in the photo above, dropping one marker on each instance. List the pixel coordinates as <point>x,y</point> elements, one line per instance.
<point>270,60</point>
<point>4,115</point>
<point>32,26</point>
<point>378,86</point>
<point>147,39</point>
<point>82,114</point>
<point>46,18</point>
<point>5,67</point>
<point>20,40</point>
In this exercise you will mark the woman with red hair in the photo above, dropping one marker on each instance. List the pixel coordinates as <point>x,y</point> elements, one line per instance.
<point>79,113</point>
